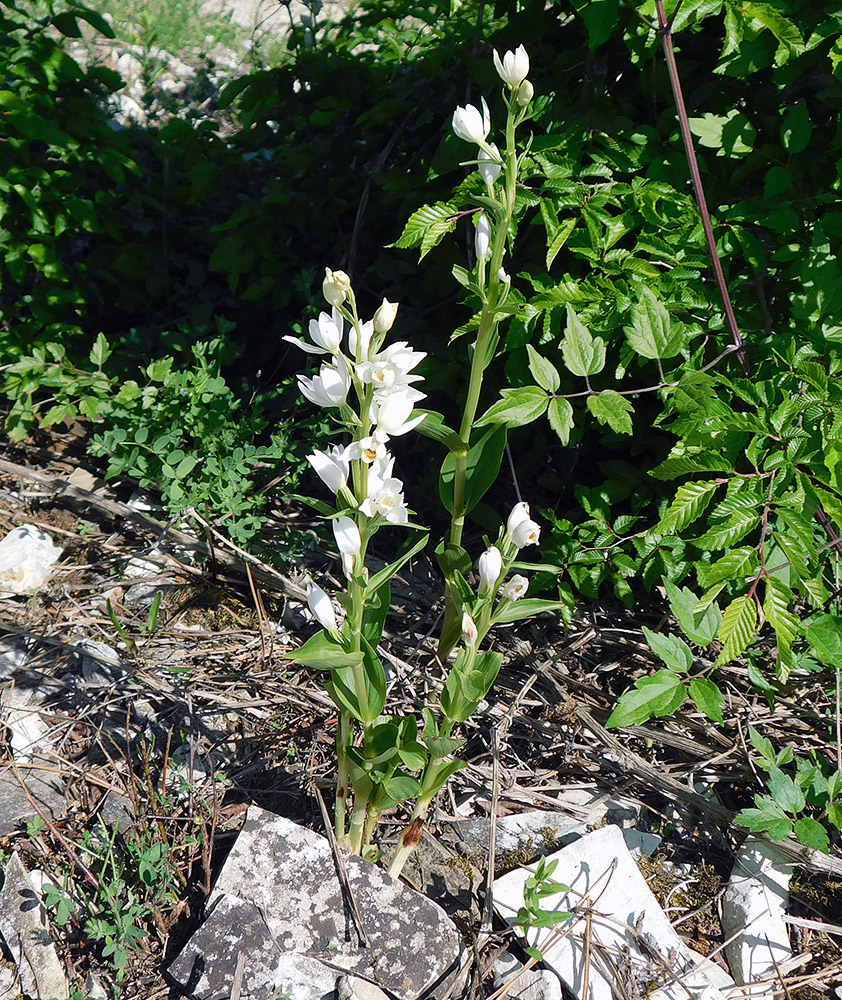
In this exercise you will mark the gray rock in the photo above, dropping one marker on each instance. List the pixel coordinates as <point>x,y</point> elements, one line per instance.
<point>23,924</point>
<point>523,983</point>
<point>753,910</point>
<point>594,807</point>
<point>523,837</point>
<point>627,933</point>
<point>279,894</point>
<point>44,787</point>
<point>520,836</point>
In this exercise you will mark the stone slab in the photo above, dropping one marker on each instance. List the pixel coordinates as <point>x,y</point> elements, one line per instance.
<point>618,929</point>
<point>279,894</point>
<point>23,924</point>
<point>753,909</point>
<point>15,806</point>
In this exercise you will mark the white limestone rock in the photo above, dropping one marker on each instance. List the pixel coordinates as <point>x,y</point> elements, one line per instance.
<point>618,929</point>
<point>753,910</point>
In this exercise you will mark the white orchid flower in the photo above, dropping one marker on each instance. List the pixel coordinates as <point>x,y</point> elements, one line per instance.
<point>328,388</point>
<point>513,68</point>
<point>331,466</point>
<point>515,588</point>
<point>385,493</point>
<point>348,541</point>
<point>319,604</point>
<point>521,528</point>
<point>368,449</point>
<point>472,125</point>
<point>325,332</point>
<point>358,346</point>
<point>391,411</point>
<point>490,566</point>
<point>391,367</point>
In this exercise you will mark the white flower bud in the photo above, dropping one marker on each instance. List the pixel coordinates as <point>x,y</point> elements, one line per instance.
<point>525,93</point>
<point>469,630</point>
<point>482,237</point>
<point>321,608</point>
<point>331,466</point>
<point>515,588</point>
<point>513,68</point>
<point>336,286</point>
<point>347,535</point>
<point>384,318</point>
<point>520,512</point>
<point>490,168</point>
<point>490,566</point>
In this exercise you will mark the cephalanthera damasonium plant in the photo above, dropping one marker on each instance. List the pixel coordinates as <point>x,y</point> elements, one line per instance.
<point>372,391</point>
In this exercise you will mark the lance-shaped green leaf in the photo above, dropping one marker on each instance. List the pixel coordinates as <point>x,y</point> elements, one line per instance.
<point>322,652</point>
<point>517,407</point>
<point>376,581</point>
<point>688,505</point>
<point>434,427</point>
<point>559,238</point>
<point>583,354</point>
<point>560,416</point>
<point>428,226</point>
<point>737,629</point>
<point>652,332</point>
<point>483,464</point>
<point>609,407</point>
<point>660,694</point>
<point>543,371</point>
<point>514,611</point>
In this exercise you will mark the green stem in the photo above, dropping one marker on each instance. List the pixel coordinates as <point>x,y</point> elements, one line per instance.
<point>343,741</point>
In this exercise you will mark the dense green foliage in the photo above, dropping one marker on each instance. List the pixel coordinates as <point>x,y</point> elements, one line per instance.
<point>663,459</point>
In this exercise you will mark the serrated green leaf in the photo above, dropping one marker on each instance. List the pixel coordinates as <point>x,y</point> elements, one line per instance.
<point>559,239</point>
<point>785,791</point>
<point>560,416</point>
<point>722,536</point>
<point>517,407</point>
<point>683,465</point>
<point>737,628</point>
<point>766,818</point>
<point>583,354</point>
<point>428,226</point>
<point>609,407</point>
<point>708,698</point>
<point>810,832</point>
<point>651,333</point>
<point>776,608</point>
<point>733,567</point>
<point>652,697</point>
<point>100,352</point>
<point>543,371</point>
<point>671,650</point>
<point>690,502</point>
